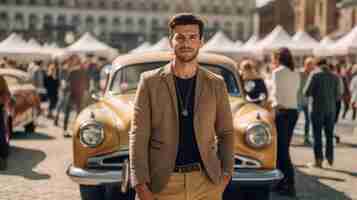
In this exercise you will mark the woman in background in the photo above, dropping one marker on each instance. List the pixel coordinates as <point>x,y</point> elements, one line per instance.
<point>285,86</point>
<point>52,85</point>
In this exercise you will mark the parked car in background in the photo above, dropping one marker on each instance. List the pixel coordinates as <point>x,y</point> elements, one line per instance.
<point>25,101</point>
<point>100,134</point>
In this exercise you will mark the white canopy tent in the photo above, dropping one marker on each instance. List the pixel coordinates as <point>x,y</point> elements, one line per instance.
<point>276,39</point>
<point>347,45</point>
<point>303,44</point>
<point>89,44</point>
<point>322,49</point>
<point>14,47</point>
<point>246,48</point>
<point>162,45</point>
<point>219,43</point>
<point>141,48</point>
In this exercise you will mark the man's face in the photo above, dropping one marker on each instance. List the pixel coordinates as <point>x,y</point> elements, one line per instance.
<point>186,42</point>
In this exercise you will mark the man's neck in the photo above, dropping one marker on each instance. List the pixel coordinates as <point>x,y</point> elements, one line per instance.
<point>184,70</point>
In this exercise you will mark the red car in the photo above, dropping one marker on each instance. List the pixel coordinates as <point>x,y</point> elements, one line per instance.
<point>24,106</point>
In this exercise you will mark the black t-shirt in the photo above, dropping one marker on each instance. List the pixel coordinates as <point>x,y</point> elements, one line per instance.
<point>188,152</point>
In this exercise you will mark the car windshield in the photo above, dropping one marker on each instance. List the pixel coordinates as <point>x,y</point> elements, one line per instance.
<point>127,78</point>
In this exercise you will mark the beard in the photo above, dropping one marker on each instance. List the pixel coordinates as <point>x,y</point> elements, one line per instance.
<point>186,57</point>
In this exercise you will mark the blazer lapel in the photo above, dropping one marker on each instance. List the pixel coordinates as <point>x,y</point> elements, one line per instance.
<point>168,76</point>
<point>199,88</point>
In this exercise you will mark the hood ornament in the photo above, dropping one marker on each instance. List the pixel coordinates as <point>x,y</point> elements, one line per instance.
<point>258,116</point>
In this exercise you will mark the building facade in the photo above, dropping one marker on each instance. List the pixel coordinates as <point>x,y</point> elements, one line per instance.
<point>121,23</point>
<point>275,12</point>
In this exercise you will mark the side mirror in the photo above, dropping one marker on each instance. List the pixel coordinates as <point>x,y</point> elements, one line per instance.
<point>96,96</point>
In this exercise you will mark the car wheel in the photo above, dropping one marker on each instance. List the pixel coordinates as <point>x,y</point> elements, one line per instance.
<point>30,128</point>
<point>235,191</point>
<point>107,192</point>
<point>257,193</point>
<point>89,192</point>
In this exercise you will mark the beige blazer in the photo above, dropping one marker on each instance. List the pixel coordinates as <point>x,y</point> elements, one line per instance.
<point>154,134</point>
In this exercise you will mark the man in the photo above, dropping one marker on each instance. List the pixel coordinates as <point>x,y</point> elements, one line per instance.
<point>78,81</point>
<point>181,142</point>
<point>4,100</point>
<point>303,101</point>
<point>324,90</point>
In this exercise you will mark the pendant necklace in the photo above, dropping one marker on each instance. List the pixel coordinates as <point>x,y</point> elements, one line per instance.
<point>184,105</point>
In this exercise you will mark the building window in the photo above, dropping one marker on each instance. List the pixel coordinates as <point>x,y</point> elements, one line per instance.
<point>129,5</point>
<point>165,7</point>
<point>228,10</point>
<point>48,2</point>
<point>102,4</point>
<point>239,10</point>
<point>19,2</point>
<point>115,5</point>
<point>129,24</point>
<point>33,22</point>
<point>89,4</point>
<point>19,22</point>
<point>76,21</point>
<point>90,23</point>
<point>154,6</point>
<point>102,22</point>
<point>203,9</point>
<point>116,23</point>
<point>48,22</point>
<point>61,3</point>
<point>142,24</point>
<point>33,2</point>
<point>216,10</point>
<point>61,20</point>
<point>4,21</point>
<point>240,30</point>
<point>3,1</point>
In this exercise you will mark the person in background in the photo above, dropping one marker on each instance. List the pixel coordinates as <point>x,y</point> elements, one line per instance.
<point>63,93</point>
<point>257,92</point>
<point>346,97</point>
<point>78,81</point>
<point>337,71</point>
<point>286,82</point>
<point>325,92</point>
<point>4,129</point>
<point>303,102</point>
<point>353,89</point>
<point>52,85</point>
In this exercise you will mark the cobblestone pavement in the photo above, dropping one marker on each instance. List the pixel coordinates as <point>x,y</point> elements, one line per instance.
<point>38,161</point>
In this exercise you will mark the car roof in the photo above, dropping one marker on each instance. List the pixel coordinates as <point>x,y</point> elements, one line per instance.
<point>162,56</point>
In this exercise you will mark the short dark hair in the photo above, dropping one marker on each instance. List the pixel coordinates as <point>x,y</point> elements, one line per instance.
<point>186,19</point>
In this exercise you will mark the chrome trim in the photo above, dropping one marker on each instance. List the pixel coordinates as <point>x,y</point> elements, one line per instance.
<point>257,175</point>
<point>88,123</point>
<point>93,177</point>
<point>245,162</point>
<point>99,161</point>
<point>268,130</point>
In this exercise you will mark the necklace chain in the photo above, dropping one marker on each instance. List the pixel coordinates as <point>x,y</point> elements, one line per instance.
<point>184,105</point>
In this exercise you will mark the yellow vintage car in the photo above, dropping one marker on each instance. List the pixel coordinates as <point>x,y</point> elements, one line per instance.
<point>100,140</point>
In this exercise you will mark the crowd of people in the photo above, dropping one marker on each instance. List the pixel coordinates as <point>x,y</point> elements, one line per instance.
<point>322,91</point>
<point>66,85</point>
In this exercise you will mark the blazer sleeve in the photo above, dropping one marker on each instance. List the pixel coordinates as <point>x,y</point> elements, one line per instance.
<point>224,129</point>
<point>309,90</point>
<point>139,136</point>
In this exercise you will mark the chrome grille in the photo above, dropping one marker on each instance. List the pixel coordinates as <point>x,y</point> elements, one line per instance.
<point>244,162</point>
<point>114,160</point>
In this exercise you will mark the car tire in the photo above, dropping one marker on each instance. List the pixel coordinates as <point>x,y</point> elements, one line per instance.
<point>30,128</point>
<point>89,192</point>
<point>235,191</point>
<point>107,192</point>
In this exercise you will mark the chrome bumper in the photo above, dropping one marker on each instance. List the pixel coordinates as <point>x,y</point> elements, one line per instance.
<point>93,177</point>
<point>242,177</point>
<point>256,177</point>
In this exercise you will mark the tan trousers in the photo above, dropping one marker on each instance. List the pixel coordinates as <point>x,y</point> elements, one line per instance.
<point>190,186</point>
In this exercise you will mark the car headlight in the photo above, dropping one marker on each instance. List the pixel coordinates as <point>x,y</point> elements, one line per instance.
<point>258,135</point>
<point>91,134</point>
